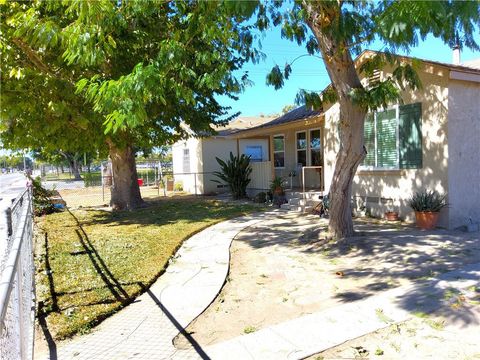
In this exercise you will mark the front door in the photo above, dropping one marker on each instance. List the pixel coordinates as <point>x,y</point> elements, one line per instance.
<point>309,154</point>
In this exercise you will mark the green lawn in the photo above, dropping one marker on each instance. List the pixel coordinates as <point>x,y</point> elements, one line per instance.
<point>92,263</point>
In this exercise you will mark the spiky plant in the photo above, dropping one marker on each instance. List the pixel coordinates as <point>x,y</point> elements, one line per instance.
<point>425,200</point>
<point>236,173</point>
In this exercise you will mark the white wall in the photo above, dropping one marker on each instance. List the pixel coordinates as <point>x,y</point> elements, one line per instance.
<point>211,148</point>
<point>464,152</point>
<point>188,180</point>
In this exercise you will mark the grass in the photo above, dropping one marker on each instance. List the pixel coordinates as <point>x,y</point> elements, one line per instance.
<point>91,263</point>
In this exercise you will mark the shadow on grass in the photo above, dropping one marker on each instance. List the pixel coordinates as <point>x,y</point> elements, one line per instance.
<point>171,211</point>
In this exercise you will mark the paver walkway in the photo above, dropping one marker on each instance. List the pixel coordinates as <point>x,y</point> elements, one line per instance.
<point>145,328</point>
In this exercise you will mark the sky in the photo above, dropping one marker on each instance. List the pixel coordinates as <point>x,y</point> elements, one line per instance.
<point>309,72</point>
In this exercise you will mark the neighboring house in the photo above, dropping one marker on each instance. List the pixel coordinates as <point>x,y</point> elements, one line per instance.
<point>431,141</point>
<point>194,159</point>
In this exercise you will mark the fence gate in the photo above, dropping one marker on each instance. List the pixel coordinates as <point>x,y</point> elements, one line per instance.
<point>17,290</point>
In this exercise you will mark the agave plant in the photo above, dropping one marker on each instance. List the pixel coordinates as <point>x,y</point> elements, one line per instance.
<point>236,173</point>
<point>430,201</point>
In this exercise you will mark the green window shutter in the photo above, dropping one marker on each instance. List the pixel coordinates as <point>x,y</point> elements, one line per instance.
<point>387,139</point>
<point>410,134</point>
<point>369,135</point>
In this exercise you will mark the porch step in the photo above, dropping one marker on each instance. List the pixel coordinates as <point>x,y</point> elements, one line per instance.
<point>297,208</point>
<point>308,195</point>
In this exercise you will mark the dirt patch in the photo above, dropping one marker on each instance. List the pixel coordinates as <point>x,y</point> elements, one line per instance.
<point>281,269</point>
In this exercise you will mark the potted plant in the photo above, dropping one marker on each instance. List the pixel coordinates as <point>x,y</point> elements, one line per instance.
<point>427,206</point>
<point>390,214</point>
<point>278,190</point>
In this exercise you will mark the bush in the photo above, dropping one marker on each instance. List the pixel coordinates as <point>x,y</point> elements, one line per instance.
<point>41,199</point>
<point>425,200</point>
<point>260,198</point>
<point>236,173</point>
<point>178,186</point>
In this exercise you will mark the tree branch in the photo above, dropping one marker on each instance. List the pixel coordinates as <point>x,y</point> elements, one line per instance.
<point>33,56</point>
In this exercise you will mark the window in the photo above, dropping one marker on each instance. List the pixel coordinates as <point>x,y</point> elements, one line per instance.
<point>255,152</point>
<point>315,148</point>
<point>279,151</point>
<point>301,144</point>
<point>186,160</point>
<point>393,138</point>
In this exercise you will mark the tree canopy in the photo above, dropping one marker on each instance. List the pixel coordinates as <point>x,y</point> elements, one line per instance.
<point>113,75</point>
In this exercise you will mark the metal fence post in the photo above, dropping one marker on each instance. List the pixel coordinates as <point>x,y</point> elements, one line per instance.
<point>8,214</point>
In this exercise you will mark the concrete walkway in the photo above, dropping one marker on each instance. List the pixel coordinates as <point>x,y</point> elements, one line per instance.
<point>145,329</point>
<point>311,334</point>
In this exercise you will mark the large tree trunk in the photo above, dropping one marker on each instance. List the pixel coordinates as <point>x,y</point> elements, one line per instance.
<point>125,190</point>
<point>73,164</point>
<point>344,77</point>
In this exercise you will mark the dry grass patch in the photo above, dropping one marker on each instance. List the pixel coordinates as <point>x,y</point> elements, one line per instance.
<point>91,263</point>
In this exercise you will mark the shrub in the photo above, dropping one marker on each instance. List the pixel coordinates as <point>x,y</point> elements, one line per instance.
<point>260,198</point>
<point>236,173</point>
<point>427,201</point>
<point>41,199</point>
<point>178,186</point>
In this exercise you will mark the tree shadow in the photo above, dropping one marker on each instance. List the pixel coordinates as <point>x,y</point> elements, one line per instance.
<point>179,327</point>
<point>382,257</point>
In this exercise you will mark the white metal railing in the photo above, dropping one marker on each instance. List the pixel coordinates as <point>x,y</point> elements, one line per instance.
<point>17,290</point>
<point>303,177</point>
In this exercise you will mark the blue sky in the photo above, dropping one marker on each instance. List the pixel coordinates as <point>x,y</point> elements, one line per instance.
<point>309,72</point>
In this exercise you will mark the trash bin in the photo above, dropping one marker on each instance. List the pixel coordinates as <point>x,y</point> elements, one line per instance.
<point>140,182</point>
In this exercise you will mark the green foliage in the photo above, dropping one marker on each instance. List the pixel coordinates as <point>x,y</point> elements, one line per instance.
<point>178,186</point>
<point>427,201</point>
<point>41,199</point>
<point>260,198</point>
<point>236,173</point>
<point>354,26</point>
<point>277,184</point>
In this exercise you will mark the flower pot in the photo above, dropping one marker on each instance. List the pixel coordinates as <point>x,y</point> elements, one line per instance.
<point>426,220</point>
<point>391,215</point>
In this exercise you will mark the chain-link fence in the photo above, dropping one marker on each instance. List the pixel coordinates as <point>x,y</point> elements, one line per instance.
<point>17,290</point>
<point>156,179</point>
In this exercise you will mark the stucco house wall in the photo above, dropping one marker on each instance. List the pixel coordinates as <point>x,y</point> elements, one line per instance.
<point>211,148</point>
<point>194,147</point>
<point>464,152</point>
<point>379,186</point>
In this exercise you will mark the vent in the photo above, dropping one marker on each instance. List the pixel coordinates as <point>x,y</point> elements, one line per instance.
<point>374,79</point>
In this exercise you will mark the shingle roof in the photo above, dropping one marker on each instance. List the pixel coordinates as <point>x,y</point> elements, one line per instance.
<point>300,113</point>
<point>242,123</point>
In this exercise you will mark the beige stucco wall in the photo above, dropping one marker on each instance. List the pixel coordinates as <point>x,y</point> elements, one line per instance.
<point>399,185</point>
<point>464,152</point>
<point>312,176</point>
<point>211,148</point>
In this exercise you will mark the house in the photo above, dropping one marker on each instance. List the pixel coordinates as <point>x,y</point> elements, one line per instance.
<point>194,159</point>
<point>430,141</point>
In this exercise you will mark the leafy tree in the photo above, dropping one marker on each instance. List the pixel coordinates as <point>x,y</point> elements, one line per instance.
<point>339,30</point>
<point>113,76</point>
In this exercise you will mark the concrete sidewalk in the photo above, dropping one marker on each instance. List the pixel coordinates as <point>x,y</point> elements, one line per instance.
<point>311,334</point>
<point>145,329</point>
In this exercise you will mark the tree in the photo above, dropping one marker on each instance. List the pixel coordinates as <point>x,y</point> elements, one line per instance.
<point>339,30</point>
<point>112,76</point>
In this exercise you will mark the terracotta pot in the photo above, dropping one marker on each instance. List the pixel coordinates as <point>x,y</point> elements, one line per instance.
<point>426,220</point>
<point>391,216</point>
<point>278,191</point>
